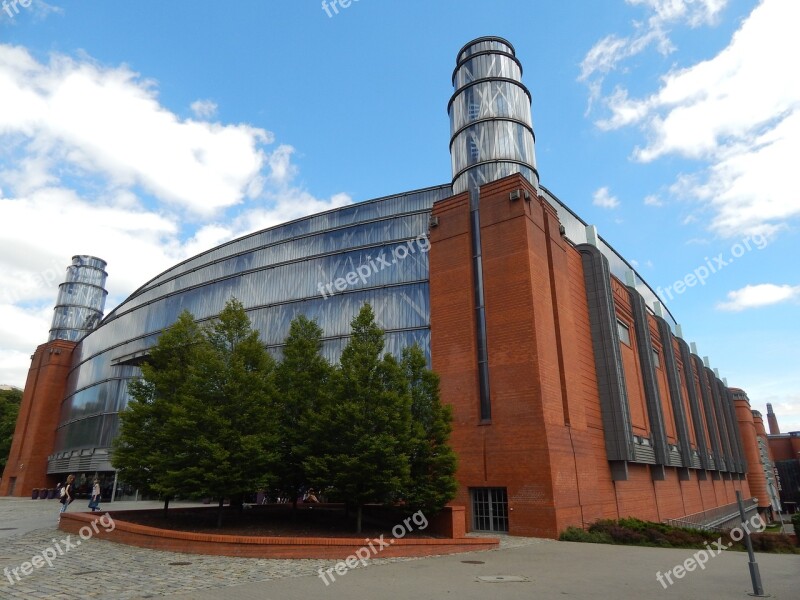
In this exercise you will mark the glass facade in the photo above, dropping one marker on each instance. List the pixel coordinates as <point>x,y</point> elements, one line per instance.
<point>325,266</point>
<point>81,299</point>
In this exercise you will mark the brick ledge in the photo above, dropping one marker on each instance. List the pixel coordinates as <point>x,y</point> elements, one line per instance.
<point>155,538</point>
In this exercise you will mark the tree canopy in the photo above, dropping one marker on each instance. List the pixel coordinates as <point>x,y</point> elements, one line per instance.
<point>9,409</point>
<point>199,423</point>
<point>214,416</point>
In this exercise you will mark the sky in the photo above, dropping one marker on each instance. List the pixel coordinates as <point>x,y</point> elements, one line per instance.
<point>146,132</point>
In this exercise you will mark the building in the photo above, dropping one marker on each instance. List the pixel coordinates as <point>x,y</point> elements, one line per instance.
<point>784,453</point>
<point>575,396</point>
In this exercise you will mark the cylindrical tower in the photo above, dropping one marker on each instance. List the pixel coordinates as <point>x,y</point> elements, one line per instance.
<point>756,478</point>
<point>491,132</point>
<point>81,299</point>
<point>772,420</point>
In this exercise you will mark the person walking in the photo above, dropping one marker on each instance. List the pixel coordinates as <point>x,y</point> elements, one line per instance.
<point>67,495</point>
<point>94,502</point>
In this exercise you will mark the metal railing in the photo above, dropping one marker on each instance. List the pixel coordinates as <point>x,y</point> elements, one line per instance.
<point>721,517</point>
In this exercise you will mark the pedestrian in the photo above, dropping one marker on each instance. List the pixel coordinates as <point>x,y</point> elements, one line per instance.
<point>67,495</point>
<point>94,501</point>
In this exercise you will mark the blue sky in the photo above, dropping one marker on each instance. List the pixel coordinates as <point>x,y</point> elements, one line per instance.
<point>146,132</point>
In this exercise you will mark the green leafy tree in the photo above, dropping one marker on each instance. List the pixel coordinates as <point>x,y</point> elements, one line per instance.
<point>145,451</point>
<point>9,409</point>
<point>229,418</point>
<point>302,380</point>
<point>433,462</point>
<point>200,424</point>
<point>362,435</point>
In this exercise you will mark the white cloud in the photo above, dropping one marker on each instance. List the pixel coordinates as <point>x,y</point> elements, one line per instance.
<point>109,121</point>
<point>613,49</point>
<point>204,109</point>
<point>92,163</point>
<point>755,296</point>
<point>739,113</point>
<point>694,12</point>
<point>603,198</point>
<point>653,200</point>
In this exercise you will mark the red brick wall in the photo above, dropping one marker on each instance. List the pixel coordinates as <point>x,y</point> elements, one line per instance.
<point>453,344</point>
<point>545,442</point>
<point>38,418</point>
<point>785,447</point>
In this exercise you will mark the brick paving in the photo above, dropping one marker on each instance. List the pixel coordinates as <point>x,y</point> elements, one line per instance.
<point>101,569</point>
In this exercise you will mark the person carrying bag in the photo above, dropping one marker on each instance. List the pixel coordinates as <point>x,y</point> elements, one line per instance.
<point>94,501</point>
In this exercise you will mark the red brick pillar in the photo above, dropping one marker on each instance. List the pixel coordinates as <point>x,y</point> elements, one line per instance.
<point>39,414</point>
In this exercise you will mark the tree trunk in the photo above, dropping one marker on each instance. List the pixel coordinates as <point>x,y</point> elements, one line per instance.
<point>358,519</point>
<point>219,512</point>
<point>166,506</point>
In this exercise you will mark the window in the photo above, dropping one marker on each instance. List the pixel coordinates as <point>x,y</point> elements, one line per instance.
<point>474,150</point>
<point>489,509</point>
<point>656,359</point>
<point>624,333</point>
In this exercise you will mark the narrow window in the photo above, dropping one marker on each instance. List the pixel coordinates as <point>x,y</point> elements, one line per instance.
<point>624,333</point>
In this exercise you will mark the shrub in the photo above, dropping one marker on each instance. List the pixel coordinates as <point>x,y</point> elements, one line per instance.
<point>777,543</point>
<point>796,524</point>
<point>635,532</point>
<point>576,534</point>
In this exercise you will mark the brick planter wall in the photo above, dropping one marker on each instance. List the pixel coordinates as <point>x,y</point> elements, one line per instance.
<point>270,547</point>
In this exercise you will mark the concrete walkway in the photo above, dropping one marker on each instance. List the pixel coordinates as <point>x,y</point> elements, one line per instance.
<point>548,569</point>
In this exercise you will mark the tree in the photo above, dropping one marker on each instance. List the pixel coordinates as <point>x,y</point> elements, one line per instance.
<point>9,409</point>
<point>302,380</point>
<point>145,450</point>
<point>433,462</point>
<point>362,435</point>
<point>200,422</point>
<point>236,435</point>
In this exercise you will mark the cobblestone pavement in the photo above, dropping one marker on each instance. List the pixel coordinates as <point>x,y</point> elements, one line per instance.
<point>102,569</point>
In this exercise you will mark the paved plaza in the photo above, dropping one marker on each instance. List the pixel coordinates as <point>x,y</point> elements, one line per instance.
<point>521,568</point>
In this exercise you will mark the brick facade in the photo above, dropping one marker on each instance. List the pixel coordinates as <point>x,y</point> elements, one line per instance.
<point>545,443</point>
<point>38,418</point>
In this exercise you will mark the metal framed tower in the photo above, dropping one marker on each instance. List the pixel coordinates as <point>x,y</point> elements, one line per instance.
<point>81,299</point>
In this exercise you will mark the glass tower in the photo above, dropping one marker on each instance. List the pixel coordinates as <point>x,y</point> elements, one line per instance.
<point>81,299</point>
<point>491,135</point>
